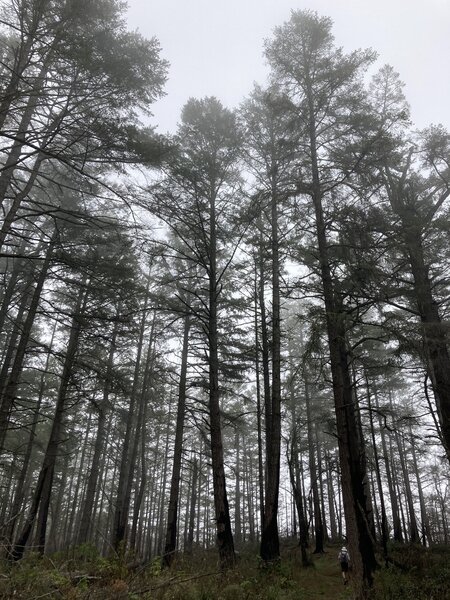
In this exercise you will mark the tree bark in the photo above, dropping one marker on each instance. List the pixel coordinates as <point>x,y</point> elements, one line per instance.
<point>140,434</point>
<point>397,526</point>
<point>21,482</point>
<point>238,509</point>
<point>294,474</point>
<point>270,545</point>
<point>413,529</point>
<point>16,369</point>
<point>264,348</point>
<point>94,472</point>
<point>43,489</point>
<point>193,501</point>
<point>258,407</point>
<point>222,512</point>
<point>384,522</point>
<point>314,478</point>
<point>172,513</point>
<point>354,480</point>
<point>331,499</point>
<point>126,469</point>
<point>426,532</point>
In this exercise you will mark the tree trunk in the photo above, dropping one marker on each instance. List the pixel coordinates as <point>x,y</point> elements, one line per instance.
<point>434,332</point>
<point>237,490</point>
<point>384,523</point>
<point>318,525</point>
<point>258,407</point>
<point>398,537</point>
<point>126,469</point>
<point>43,489</point>
<point>426,534</point>
<point>172,514</point>
<point>140,436</point>
<point>58,533</point>
<point>94,472</point>
<point>270,545</point>
<point>21,486</point>
<point>413,529</point>
<point>331,500</point>
<point>294,474</point>
<point>222,512</point>
<point>190,535</point>
<point>22,59</point>
<point>78,474</point>
<point>16,369</point>
<point>264,347</point>
<point>356,499</point>
<point>19,197</point>
<point>18,266</point>
<point>160,526</point>
<point>20,136</point>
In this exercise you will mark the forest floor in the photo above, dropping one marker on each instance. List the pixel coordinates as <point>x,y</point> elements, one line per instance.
<point>82,574</point>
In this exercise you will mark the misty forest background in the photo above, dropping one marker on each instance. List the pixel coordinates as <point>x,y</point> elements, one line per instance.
<point>228,335</point>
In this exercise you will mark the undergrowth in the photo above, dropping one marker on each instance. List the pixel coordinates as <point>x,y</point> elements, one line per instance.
<point>83,574</point>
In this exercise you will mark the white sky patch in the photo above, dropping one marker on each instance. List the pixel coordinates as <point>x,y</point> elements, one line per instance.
<point>215,46</point>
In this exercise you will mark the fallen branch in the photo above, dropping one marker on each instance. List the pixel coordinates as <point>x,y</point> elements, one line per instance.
<point>81,577</point>
<point>174,580</point>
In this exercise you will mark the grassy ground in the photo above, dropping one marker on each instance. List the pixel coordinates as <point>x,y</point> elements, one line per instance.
<point>83,575</point>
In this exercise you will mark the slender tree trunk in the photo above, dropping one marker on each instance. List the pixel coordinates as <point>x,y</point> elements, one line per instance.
<point>20,136</point>
<point>331,500</point>
<point>426,535</point>
<point>294,474</point>
<point>264,345</point>
<point>237,489</point>
<point>413,531</point>
<point>318,525</point>
<point>103,469</point>
<point>126,469</point>
<point>160,525</point>
<point>43,489</point>
<point>172,514</point>
<point>270,545</point>
<point>258,406</point>
<point>16,271</point>
<point>140,433</point>
<point>222,512</point>
<point>78,474</point>
<point>58,533</point>
<point>190,536</point>
<point>16,369</point>
<point>249,491</point>
<point>94,471</point>
<point>320,483</point>
<point>11,345</point>
<point>201,480</point>
<point>384,522</point>
<point>19,197</point>
<point>398,537</point>
<point>20,487</point>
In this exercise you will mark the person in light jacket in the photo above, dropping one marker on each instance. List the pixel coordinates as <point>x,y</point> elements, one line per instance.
<point>344,559</point>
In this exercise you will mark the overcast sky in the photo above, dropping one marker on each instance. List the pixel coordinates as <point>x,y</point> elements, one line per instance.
<point>215,46</point>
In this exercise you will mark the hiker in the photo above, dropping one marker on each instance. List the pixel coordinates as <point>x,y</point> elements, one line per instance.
<point>344,559</point>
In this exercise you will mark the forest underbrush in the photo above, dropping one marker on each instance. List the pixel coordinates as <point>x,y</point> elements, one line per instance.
<point>82,574</point>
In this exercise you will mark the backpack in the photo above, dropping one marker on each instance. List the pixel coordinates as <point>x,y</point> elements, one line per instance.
<point>343,557</point>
